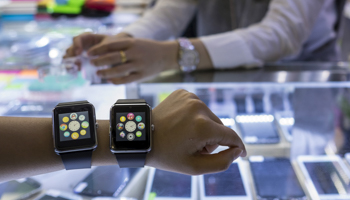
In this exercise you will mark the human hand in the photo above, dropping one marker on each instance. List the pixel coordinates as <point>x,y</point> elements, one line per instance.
<point>144,58</point>
<point>185,134</point>
<point>85,41</point>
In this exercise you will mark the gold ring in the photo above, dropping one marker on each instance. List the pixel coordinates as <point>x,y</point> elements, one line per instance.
<point>123,56</point>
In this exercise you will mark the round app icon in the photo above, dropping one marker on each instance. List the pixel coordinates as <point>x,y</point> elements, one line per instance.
<point>66,134</point>
<point>122,134</point>
<point>138,134</point>
<point>82,117</point>
<point>74,125</point>
<point>85,124</point>
<point>130,116</point>
<point>141,126</point>
<point>120,126</point>
<point>83,132</point>
<point>130,126</point>
<point>63,127</point>
<point>138,118</point>
<point>65,119</point>
<point>130,136</point>
<point>75,135</point>
<point>122,119</point>
<point>73,116</point>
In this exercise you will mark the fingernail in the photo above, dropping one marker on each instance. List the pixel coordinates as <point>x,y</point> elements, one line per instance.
<point>239,152</point>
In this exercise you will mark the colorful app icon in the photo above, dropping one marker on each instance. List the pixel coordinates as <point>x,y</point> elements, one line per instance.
<point>141,126</point>
<point>122,134</point>
<point>65,119</point>
<point>122,119</point>
<point>130,136</point>
<point>82,117</point>
<point>120,126</point>
<point>66,134</point>
<point>73,116</point>
<point>138,118</point>
<point>130,116</point>
<point>138,134</point>
<point>75,135</point>
<point>85,124</point>
<point>63,127</point>
<point>83,132</point>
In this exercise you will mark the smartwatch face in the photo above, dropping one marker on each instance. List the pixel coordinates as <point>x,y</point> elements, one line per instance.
<point>130,127</point>
<point>74,127</point>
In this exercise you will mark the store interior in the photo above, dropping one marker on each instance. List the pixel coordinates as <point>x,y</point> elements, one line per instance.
<point>293,117</point>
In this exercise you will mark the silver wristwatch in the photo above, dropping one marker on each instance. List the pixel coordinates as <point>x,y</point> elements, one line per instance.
<point>188,56</point>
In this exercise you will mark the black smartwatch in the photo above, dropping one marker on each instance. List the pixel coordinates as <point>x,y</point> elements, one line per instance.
<point>74,133</point>
<point>131,132</point>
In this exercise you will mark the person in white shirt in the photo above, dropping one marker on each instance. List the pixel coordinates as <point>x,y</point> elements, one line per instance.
<point>231,34</point>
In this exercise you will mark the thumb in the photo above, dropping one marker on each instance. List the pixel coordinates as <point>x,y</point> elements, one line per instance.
<point>212,163</point>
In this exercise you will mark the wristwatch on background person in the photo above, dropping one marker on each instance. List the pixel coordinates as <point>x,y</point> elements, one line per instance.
<point>131,132</point>
<point>188,55</point>
<point>74,133</point>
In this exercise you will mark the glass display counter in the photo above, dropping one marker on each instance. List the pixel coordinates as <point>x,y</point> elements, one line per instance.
<point>293,118</point>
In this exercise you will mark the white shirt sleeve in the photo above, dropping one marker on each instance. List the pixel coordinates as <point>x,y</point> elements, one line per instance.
<point>168,18</point>
<point>281,33</point>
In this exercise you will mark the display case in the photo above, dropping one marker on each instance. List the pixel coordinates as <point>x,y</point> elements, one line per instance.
<point>293,118</point>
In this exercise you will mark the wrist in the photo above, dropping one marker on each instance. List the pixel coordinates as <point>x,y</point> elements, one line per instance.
<point>123,34</point>
<point>171,49</point>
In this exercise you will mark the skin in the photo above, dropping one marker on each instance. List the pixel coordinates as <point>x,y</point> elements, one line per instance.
<point>185,134</point>
<point>145,58</point>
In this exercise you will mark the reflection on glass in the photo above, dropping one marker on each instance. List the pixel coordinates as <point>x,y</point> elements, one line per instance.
<point>328,177</point>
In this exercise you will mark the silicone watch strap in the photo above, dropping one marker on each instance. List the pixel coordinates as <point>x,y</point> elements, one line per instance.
<point>131,160</point>
<point>79,159</point>
<point>72,103</point>
<point>128,101</point>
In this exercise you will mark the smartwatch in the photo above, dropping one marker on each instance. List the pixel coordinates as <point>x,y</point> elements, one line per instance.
<point>131,132</point>
<point>74,133</point>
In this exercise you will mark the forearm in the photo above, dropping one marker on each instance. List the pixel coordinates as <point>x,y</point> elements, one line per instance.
<point>26,147</point>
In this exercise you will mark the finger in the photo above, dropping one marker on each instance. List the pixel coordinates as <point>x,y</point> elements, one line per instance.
<point>69,52</point>
<point>117,72</point>
<point>104,48</point>
<point>208,149</point>
<point>126,79</point>
<point>85,41</point>
<point>211,163</point>
<point>222,135</point>
<point>108,59</point>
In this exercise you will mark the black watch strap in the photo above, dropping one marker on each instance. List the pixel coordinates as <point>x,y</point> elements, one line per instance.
<point>128,101</point>
<point>72,103</point>
<point>79,159</point>
<point>131,160</point>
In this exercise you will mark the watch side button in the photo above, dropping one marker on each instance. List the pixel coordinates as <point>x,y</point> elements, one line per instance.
<point>152,127</point>
<point>96,125</point>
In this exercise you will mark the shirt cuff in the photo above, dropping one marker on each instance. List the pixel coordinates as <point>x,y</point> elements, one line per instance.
<point>229,50</point>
